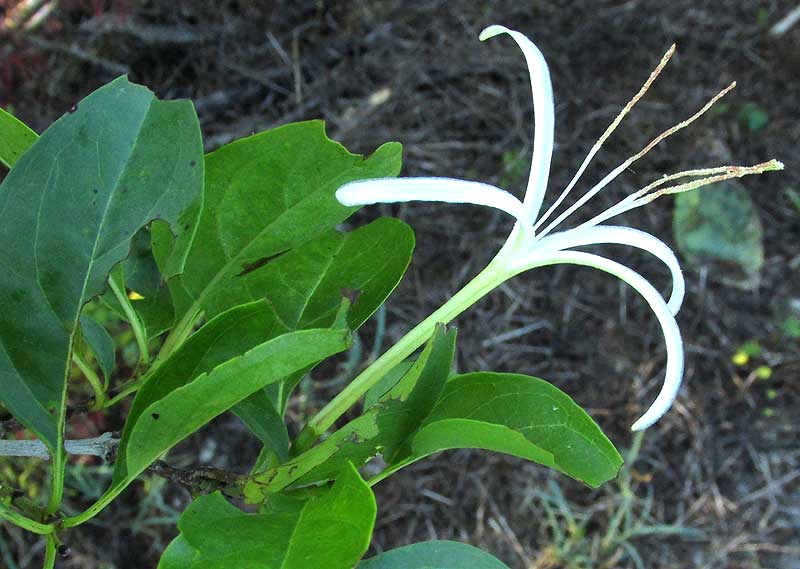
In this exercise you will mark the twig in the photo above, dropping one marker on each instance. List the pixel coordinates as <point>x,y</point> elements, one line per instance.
<point>196,480</point>
<point>103,446</point>
<point>78,53</point>
<point>109,24</point>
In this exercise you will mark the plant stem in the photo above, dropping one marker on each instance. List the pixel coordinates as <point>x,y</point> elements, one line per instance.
<point>131,388</point>
<point>492,276</point>
<point>136,324</point>
<point>58,473</point>
<point>95,508</point>
<point>177,336</point>
<point>94,381</point>
<point>25,522</point>
<point>50,551</point>
<point>59,454</point>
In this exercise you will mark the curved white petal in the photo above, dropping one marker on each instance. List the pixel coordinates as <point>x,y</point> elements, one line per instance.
<point>672,335</point>
<point>543,116</point>
<point>450,190</point>
<point>604,234</point>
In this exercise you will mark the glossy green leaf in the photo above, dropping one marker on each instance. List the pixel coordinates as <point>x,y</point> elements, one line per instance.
<point>433,555</point>
<point>231,357</point>
<point>226,337</point>
<point>15,138</point>
<point>265,194</point>
<point>519,415</point>
<point>382,429</point>
<point>306,284</point>
<point>99,341</point>
<point>169,420</point>
<point>68,210</point>
<point>332,530</point>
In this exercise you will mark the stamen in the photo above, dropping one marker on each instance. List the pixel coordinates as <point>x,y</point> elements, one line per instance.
<point>622,167</point>
<point>620,206</point>
<point>642,197</point>
<point>611,128</point>
<point>734,172</point>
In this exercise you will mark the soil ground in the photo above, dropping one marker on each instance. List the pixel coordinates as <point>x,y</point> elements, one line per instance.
<point>716,483</point>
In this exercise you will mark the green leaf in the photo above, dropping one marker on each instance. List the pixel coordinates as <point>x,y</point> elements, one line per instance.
<point>68,210</point>
<point>99,341</point>
<point>721,226</point>
<point>218,367</point>
<point>519,415</point>
<point>265,194</point>
<point>169,420</point>
<point>387,382</point>
<point>15,138</point>
<point>382,429</point>
<point>306,284</point>
<point>433,555</point>
<point>226,337</point>
<point>258,412</point>
<point>331,530</point>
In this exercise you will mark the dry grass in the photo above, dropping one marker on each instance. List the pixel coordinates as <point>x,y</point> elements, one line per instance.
<point>716,483</point>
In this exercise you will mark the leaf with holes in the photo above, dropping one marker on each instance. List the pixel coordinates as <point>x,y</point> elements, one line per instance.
<point>265,194</point>
<point>384,428</point>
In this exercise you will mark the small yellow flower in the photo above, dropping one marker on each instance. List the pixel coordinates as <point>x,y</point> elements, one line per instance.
<point>740,358</point>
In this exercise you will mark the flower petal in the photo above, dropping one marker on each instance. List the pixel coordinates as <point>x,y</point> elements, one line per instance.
<point>672,335</point>
<point>543,115</point>
<point>616,235</point>
<point>450,190</point>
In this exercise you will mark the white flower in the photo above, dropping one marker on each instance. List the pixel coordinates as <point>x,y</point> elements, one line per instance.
<point>533,244</point>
